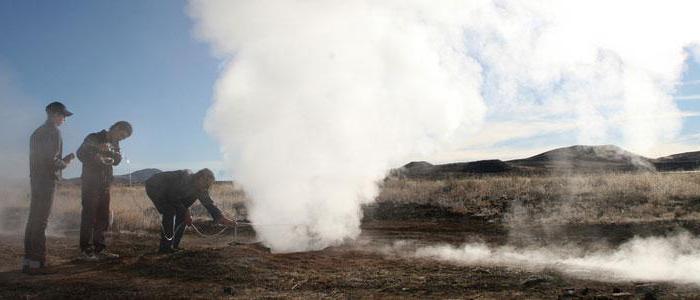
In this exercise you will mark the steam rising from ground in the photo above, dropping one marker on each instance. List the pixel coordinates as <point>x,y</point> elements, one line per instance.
<point>319,98</point>
<point>18,118</point>
<point>675,258</point>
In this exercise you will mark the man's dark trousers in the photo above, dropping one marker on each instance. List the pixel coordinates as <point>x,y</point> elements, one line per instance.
<point>39,210</point>
<point>172,225</point>
<point>94,220</point>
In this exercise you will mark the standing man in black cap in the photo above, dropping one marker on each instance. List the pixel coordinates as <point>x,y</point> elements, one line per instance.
<point>45,164</point>
<point>98,153</point>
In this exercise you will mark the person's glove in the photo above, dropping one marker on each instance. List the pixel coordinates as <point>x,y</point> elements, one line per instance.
<point>68,158</point>
<point>107,161</point>
<point>104,147</point>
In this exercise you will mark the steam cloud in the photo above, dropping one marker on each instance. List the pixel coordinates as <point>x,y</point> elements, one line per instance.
<point>17,120</point>
<point>674,258</point>
<point>19,114</point>
<point>317,99</point>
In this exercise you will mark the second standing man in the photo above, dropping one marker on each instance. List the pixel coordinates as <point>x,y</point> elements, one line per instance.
<point>98,153</point>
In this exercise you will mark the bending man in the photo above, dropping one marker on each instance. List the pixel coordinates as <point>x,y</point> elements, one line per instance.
<point>172,194</point>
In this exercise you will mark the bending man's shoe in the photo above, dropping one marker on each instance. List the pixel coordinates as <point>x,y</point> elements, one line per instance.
<point>104,255</point>
<point>87,256</point>
<point>33,267</point>
<point>163,250</point>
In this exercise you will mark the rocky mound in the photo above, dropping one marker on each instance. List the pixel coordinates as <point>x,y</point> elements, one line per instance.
<point>424,169</point>
<point>581,158</point>
<point>687,161</point>
<point>573,159</point>
<point>137,177</point>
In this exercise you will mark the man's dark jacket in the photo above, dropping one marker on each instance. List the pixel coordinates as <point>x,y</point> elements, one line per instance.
<point>46,152</point>
<point>94,171</point>
<point>177,189</point>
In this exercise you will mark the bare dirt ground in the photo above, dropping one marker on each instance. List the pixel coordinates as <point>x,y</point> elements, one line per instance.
<point>217,268</point>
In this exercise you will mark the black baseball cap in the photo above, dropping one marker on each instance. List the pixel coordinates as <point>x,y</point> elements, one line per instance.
<point>58,108</point>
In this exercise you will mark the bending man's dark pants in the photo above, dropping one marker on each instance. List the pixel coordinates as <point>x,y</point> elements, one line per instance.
<point>173,222</point>
<point>94,218</point>
<point>39,210</point>
<point>173,226</point>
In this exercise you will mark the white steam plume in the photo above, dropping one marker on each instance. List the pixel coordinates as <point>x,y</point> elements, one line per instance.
<point>674,258</point>
<point>319,98</point>
<point>19,116</point>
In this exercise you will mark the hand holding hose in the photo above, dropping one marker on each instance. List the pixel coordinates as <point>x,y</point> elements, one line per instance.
<point>225,221</point>
<point>68,158</point>
<point>188,218</point>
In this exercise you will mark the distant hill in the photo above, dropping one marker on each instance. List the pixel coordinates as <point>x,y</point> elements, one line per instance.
<point>424,169</point>
<point>137,177</point>
<point>573,159</point>
<point>687,161</point>
<point>581,158</point>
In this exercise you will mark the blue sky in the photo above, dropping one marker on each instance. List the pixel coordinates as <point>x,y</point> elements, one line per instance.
<point>115,60</point>
<point>138,61</point>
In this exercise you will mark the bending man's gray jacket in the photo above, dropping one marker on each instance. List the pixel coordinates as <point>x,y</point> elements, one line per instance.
<point>176,188</point>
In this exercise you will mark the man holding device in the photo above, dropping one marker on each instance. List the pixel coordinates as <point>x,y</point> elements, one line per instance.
<point>46,162</point>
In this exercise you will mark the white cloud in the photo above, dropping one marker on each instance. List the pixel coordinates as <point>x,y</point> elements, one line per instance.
<point>690,82</point>
<point>687,97</point>
<point>671,148</point>
<point>499,132</point>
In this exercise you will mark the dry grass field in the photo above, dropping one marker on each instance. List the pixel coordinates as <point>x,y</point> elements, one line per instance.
<point>132,211</point>
<point>588,199</point>
<point>595,211</point>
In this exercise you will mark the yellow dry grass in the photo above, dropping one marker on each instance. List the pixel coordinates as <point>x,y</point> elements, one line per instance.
<point>592,198</point>
<point>613,197</point>
<point>131,208</point>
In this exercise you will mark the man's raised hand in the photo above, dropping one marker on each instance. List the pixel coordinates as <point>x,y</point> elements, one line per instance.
<point>68,158</point>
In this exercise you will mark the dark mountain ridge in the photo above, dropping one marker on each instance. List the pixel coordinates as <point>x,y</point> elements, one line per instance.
<point>137,177</point>
<point>573,159</point>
